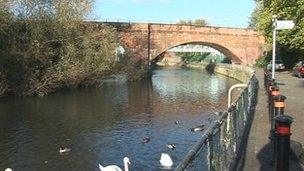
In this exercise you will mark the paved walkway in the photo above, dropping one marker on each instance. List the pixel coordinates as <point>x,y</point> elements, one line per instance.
<point>259,149</point>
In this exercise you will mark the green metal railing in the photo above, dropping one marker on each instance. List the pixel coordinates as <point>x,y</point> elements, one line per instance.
<point>222,144</point>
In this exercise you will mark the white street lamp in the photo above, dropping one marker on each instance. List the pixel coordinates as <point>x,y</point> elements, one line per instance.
<point>278,25</point>
<point>274,21</point>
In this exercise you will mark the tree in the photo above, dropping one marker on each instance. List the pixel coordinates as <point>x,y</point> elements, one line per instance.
<point>197,22</point>
<point>46,45</point>
<point>200,22</point>
<point>290,42</point>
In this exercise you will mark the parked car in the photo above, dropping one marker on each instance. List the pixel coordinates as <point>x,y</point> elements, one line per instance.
<point>298,69</point>
<point>279,65</point>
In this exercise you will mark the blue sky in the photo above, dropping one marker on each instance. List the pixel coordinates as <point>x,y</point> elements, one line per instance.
<point>216,12</point>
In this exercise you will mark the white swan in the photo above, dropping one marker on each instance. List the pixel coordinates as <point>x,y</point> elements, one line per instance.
<point>126,161</point>
<point>165,160</point>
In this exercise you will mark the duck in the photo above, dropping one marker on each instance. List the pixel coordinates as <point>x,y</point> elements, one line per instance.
<point>8,169</point>
<point>165,160</point>
<point>63,150</point>
<point>177,122</point>
<point>198,128</point>
<point>171,146</point>
<point>126,161</point>
<point>145,140</point>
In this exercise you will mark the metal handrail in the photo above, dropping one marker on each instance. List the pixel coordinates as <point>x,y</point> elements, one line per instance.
<point>209,132</point>
<point>231,141</point>
<point>230,91</point>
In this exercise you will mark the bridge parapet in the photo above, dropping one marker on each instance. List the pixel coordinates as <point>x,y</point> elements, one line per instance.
<point>203,30</point>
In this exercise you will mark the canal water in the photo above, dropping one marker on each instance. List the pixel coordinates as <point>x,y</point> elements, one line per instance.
<point>104,124</point>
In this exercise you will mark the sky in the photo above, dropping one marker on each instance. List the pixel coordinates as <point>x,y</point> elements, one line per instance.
<point>233,13</point>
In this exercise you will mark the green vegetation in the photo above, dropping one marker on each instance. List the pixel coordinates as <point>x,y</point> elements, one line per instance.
<point>192,56</point>
<point>202,56</point>
<point>197,22</point>
<point>290,43</point>
<point>46,45</point>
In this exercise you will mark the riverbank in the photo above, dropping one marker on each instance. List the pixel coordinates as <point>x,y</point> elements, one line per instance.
<point>238,72</point>
<point>74,77</point>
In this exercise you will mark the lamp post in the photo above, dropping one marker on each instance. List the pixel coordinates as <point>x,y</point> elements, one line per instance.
<point>274,21</point>
<point>278,25</point>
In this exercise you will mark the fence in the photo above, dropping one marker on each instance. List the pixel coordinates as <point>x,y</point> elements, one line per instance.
<point>222,144</point>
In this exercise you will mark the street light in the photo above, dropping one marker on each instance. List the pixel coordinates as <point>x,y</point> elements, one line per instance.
<point>274,21</point>
<point>278,25</point>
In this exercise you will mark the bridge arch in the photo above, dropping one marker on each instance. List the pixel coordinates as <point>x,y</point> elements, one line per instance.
<point>228,52</point>
<point>148,40</point>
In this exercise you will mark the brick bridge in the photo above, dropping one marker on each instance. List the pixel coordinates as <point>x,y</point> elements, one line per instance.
<point>146,41</point>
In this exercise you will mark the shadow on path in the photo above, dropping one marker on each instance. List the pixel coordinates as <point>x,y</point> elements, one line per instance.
<point>266,159</point>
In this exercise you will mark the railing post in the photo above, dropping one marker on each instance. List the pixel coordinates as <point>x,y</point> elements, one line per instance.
<point>229,102</point>
<point>283,123</point>
<point>210,152</point>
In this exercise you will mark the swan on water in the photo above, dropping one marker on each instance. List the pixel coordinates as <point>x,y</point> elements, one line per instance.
<point>64,150</point>
<point>165,160</point>
<point>126,161</point>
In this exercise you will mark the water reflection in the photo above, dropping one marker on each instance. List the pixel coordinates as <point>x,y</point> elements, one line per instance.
<point>102,125</point>
<point>215,87</point>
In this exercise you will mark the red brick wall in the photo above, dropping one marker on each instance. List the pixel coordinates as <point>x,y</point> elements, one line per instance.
<point>240,45</point>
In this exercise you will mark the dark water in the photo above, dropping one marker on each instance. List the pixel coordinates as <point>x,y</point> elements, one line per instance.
<point>102,125</point>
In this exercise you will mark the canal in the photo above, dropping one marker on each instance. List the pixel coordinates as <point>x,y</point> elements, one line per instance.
<point>104,124</point>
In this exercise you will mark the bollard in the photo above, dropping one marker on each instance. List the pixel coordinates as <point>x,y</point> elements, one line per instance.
<point>274,92</point>
<point>279,105</point>
<point>283,123</point>
<point>269,87</point>
<point>266,78</point>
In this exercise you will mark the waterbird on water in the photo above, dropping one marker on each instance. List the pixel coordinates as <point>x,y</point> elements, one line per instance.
<point>63,150</point>
<point>198,128</point>
<point>8,169</point>
<point>145,140</point>
<point>165,160</point>
<point>126,161</point>
<point>177,122</point>
<point>171,146</point>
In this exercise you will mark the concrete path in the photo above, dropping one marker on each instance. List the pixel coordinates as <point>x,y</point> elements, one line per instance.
<point>259,149</point>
